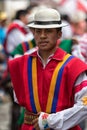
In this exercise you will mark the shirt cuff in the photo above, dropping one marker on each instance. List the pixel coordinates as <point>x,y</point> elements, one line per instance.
<point>43,123</point>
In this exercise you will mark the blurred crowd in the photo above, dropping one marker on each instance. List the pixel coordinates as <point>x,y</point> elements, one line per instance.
<point>16,38</point>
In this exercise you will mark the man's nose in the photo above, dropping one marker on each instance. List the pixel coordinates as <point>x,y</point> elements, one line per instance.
<point>43,34</point>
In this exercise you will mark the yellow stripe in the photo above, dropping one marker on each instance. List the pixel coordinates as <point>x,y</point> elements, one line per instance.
<point>53,83</point>
<point>30,44</point>
<point>34,82</point>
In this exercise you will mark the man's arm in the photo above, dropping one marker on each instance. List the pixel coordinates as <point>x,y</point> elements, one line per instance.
<point>70,117</point>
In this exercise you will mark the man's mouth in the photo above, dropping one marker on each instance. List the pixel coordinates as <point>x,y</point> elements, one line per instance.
<point>43,43</point>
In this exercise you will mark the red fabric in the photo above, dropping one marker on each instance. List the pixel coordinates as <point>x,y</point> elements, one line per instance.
<point>80,86</point>
<point>17,69</point>
<point>62,2</point>
<point>16,26</point>
<point>81,6</point>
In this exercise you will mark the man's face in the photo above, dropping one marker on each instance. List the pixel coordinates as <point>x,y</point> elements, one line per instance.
<point>46,39</point>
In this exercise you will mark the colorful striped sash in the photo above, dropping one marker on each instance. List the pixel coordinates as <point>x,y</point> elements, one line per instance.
<point>28,45</point>
<point>25,46</point>
<point>54,85</point>
<point>33,89</point>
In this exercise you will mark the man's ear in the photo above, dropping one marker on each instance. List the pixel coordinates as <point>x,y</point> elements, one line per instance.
<point>59,34</point>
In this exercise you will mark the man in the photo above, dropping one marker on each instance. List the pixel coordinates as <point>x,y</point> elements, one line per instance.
<point>50,80</point>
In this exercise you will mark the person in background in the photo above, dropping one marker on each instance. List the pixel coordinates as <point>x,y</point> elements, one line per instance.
<point>46,76</point>
<point>25,45</point>
<point>79,49</point>
<point>3,26</point>
<point>17,31</point>
<point>78,23</point>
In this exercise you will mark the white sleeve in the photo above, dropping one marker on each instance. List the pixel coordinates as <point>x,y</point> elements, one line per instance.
<point>14,38</point>
<point>76,51</point>
<point>70,117</point>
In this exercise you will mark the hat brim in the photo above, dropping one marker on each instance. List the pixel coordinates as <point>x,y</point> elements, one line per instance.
<point>32,25</point>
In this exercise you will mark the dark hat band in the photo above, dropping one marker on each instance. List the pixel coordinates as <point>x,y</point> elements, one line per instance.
<point>47,22</point>
<point>31,22</point>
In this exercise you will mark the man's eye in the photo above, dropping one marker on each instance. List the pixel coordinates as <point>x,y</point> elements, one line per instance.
<point>48,30</point>
<point>38,31</point>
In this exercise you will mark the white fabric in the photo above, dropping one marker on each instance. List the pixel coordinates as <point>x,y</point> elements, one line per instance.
<point>15,98</point>
<point>66,31</point>
<point>76,51</point>
<point>68,118</point>
<point>80,50</point>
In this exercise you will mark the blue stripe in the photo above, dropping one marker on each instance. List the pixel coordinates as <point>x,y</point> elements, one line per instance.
<point>27,46</point>
<point>58,82</point>
<point>30,84</point>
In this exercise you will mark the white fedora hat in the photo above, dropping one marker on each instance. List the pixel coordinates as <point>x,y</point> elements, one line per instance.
<point>47,18</point>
